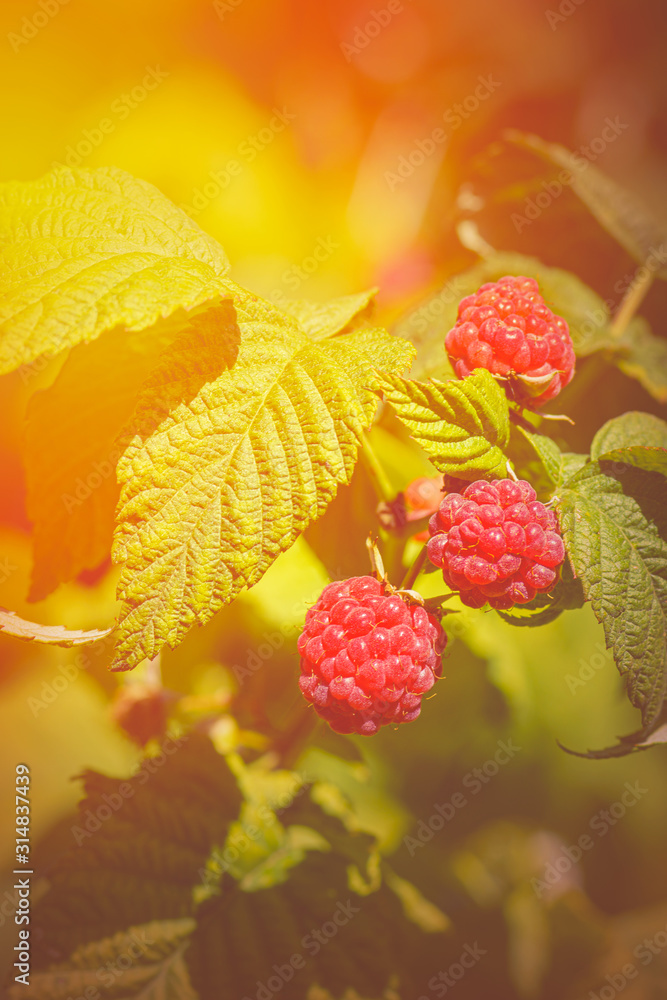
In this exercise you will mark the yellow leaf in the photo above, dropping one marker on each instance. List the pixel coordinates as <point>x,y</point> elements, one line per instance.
<point>324,319</point>
<point>87,250</point>
<point>244,434</point>
<point>71,453</point>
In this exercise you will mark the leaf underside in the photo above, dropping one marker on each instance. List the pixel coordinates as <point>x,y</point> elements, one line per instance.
<point>50,635</point>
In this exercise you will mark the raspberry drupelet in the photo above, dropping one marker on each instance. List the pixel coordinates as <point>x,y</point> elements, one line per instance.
<point>496,544</point>
<point>507,328</point>
<point>368,655</point>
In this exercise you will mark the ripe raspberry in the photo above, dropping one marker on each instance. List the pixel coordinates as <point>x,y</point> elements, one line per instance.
<point>367,656</point>
<point>507,328</point>
<point>496,543</point>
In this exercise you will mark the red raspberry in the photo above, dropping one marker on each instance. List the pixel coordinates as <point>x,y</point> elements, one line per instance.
<point>368,656</point>
<point>496,543</point>
<point>506,328</point>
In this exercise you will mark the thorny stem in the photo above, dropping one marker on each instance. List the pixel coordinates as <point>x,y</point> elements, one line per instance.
<point>630,303</point>
<point>414,570</point>
<point>375,470</point>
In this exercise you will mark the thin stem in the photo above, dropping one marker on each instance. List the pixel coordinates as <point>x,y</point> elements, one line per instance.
<point>290,744</point>
<point>557,416</point>
<point>376,471</point>
<point>414,570</point>
<point>154,671</point>
<point>630,303</point>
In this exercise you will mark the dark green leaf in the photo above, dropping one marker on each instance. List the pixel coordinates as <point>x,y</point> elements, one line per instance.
<point>138,845</point>
<point>571,462</point>
<point>642,355</point>
<point>632,428</point>
<point>613,516</point>
<point>314,927</point>
<point>535,458</point>
<point>618,210</point>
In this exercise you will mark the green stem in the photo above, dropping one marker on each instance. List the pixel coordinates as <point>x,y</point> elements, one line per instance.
<point>289,745</point>
<point>414,570</point>
<point>630,303</point>
<point>378,476</point>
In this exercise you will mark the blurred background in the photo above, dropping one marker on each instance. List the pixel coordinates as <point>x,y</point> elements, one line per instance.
<point>331,147</point>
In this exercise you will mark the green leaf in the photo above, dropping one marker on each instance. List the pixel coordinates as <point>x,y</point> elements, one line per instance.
<point>242,937</point>
<point>571,462</point>
<point>618,210</point>
<point>145,863</point>
<point>649,736</point>
<point>50,635</point>
<point>417,908</point>
<point>535,458</point>
<point>463,426</point>
<point>620,460</point>
<point>642,355</point>
<point>138,844</point>
<point>141,963</point>
<point>325,319</point>
<point>87,250</point>
<point>613,516</point>
<point>242,437</point>
<point>629,429</point>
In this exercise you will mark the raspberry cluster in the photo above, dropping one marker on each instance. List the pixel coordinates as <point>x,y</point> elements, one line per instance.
<point>507,328</point>
<point>368,656</point>
<point>496,543</point>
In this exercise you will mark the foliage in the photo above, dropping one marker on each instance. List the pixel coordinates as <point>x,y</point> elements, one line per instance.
<point>231,459</point>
